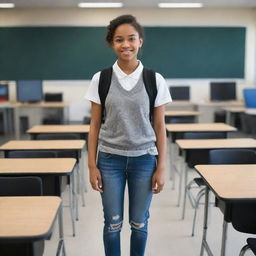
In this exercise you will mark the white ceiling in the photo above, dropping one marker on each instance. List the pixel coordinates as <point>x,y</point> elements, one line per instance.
<point>130,3</point>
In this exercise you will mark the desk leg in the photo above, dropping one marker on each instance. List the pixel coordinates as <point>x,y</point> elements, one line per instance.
<point>17,123</point>
<point>72,202</point>
<point>224,238</point>
<point>61,251</point>
<point>81,181</point>
<point>182,172</point>
<point>61,221</point>
<point>83,168</point>
<point>185,191</point>
<point>204,244</point>
<point>76,189</point>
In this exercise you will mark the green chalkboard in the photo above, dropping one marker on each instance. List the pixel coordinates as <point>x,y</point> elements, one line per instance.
<point>61,53</point>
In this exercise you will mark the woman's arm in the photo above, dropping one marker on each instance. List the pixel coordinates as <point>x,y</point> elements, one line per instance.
<point>159,128</point>
<point>95,176</point>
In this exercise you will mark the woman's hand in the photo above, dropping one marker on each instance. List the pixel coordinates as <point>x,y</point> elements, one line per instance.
<point>158,181</point>
<point>95,179</point>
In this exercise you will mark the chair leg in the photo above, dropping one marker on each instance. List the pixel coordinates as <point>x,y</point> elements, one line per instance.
<point>224,238</point>
<point>190,197</point>
<point>200,194</point>
<point>244,249</point>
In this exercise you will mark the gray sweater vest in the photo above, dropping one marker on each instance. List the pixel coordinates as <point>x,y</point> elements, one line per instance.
<point>127,129</point>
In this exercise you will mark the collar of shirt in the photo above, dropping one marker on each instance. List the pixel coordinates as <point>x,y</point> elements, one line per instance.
<point>121,75</point>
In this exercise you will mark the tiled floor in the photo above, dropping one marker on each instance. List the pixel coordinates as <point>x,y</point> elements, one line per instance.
<point>168,234</point>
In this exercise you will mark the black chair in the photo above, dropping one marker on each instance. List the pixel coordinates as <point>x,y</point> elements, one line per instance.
<point>53,117</point>
<point>194,158</point>
<point>21,186</point>
<point>31,154</point>
<point>241,214</point>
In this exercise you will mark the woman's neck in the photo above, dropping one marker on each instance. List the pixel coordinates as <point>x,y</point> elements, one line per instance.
<point>128,67</point>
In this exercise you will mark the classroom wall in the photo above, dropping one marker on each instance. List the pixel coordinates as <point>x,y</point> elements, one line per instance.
<point>74,90</point>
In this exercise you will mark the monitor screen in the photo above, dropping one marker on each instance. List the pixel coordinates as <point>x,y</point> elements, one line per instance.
<point>29,90</point>
<point>180,92</point>
<point>222,91</point>
<point>4,94</point>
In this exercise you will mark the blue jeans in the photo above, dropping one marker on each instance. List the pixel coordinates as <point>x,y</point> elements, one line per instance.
<point>115,171</point>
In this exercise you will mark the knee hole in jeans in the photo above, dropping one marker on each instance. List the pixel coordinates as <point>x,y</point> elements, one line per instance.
<point>137,225</point>
<point>116,227</point>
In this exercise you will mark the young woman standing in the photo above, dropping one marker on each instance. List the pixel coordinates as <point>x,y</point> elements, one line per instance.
<point>127,143</point>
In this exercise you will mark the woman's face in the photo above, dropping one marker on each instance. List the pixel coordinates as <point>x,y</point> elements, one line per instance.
<point>126,42</point>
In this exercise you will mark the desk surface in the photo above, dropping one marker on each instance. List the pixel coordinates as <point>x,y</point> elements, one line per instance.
<point>37,165</point>
<point>222,103</point>
<point>216,143</point>
<point>59,129</point>
<point>27,217</point>
<point>230,181</point>
<point>181,113</point>
<point>235,109</point>
<point>200,127</point>
<point>43,145</point>
<point>42,104</point>
<point>181,103</point>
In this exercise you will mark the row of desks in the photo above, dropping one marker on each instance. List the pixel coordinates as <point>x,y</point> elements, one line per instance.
<point>51,167</point>
<point>228,182</point>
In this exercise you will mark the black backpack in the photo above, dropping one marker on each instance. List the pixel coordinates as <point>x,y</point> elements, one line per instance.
<point>149,79</point>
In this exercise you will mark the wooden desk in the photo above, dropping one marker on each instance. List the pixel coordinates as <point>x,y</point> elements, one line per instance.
<point>208,108</point>
<point>29,109</point>
<point>181,113</point>
<point>231,112</point>
<point>189,145</point>
<point>76,145</point>
<point>179,116</point>
<point>82,130</point>
<point>51,171</point>
<point>58,166</point>
<point>198,127</point>
<point>229,183</point>
<point>216,143</point>
<point>27,220</point>
<point>181,105</point>
<point>27,217</point>
<point>177,130</point>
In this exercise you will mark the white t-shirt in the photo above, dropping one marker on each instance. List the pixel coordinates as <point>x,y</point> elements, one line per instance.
<point>128,82</point>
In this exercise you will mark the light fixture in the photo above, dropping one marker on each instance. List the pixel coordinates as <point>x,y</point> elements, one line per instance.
<point>7,5</point>
<point>100,5</point>
<point>180,5</point>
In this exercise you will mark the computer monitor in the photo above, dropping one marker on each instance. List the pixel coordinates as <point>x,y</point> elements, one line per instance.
<point>4,93</point>
<point>29,90</point>
<point>223,91</point>
<point>180,92</point>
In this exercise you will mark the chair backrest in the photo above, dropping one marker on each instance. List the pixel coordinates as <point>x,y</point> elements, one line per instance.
<point>58,136</point>
<point>195,157</point>
<point>204,135</point>
<point>21,186</point>
<point>242,214</point>
<point>232,156</point>
<point>53,97</point>
<point>250,97</point>
<point>31,154</point>
<point>179,120</point>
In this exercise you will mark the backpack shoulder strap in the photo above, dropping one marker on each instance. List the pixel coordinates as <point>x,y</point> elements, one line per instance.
<point>104,85</point>
<point>149,79</point>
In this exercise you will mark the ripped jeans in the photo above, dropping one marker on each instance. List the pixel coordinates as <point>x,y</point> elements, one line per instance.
<point>115,171</point>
